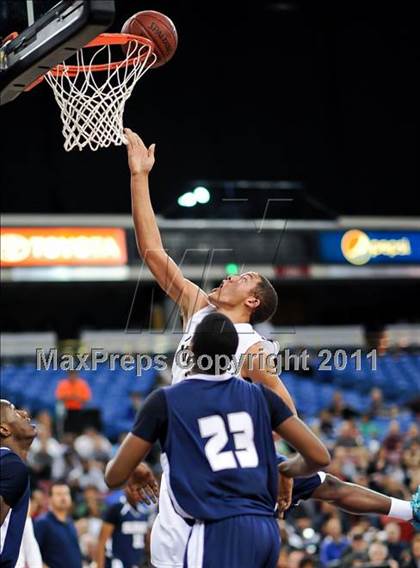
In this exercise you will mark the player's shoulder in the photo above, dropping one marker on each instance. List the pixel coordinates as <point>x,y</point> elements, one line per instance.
<point>199,315</point>
<point>249,337</point>
<point>12,462</point>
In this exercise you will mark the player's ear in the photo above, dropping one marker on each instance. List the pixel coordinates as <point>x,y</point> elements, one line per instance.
<point>252,302</point>
<point>4,430</point>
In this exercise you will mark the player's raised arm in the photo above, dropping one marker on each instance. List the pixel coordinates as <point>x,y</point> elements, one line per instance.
<point>260,368</point>
<point>187,295</point>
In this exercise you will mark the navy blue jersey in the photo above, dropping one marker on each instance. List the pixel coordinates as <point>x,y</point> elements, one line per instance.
<point>14,489</point>
<point>218,453</point>
<point>58,542</point>
<point>131,525</point>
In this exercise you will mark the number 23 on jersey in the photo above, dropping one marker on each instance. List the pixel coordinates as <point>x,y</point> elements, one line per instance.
<point>241,428</point>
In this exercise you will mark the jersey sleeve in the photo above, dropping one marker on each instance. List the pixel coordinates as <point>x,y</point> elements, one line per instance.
<point>112,515</point>
<point>278,410</point>
<point>14,479</point>
<point>40,532</point>
<point>152,419</point>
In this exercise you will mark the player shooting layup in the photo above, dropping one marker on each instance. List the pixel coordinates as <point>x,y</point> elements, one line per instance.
<point>246,299</point>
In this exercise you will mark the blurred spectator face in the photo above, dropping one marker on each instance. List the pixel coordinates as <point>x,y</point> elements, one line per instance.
<point>60,498</point>
<point>376,395</point>
<point>358,544</point>
<point>295,558</point>
<point>415,547</point>
<point>303,523</point>
<point>393,533</point>
<point>346,429</point>
<point>333,529</point>
<point>394,428</point>
<point>413,431</point>
<point>37,502</point>
<point>377,553</point>
<point>306,563</point>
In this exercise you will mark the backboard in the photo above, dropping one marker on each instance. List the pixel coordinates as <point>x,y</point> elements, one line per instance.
<point>49,33</point>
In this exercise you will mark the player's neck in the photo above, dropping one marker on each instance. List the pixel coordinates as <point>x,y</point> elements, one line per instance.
<point>236,315</point>
<point>17,448</point>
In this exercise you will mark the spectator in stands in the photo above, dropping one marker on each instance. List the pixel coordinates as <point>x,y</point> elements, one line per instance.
<point>378,555</point>
<point>393,540</point>
<point>55,531</point>
<point>73,392</point>
<point>92,445</point>
<point>339,409</point>
<point>307,562</point>
<point>40,460</point>
<point>348,435</point>
<point>393,440</point>
<point>37,504</point>
<point>356,551</point>
<point>91,505</point>
<point>295,558</point>
<point>44,454</point>
<point>414,561</point>
<point>377,405</point>
<point>325,425</point>
<point>334,544</point>
<point>89,472</point>
<point>89,514</point>
<point>136,402</point>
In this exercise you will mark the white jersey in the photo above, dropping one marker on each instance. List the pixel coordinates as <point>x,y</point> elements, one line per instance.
<point>170,532</point>
<point>247,338</point>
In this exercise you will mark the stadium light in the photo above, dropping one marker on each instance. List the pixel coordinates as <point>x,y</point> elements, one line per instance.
<point>231,269</point>
<point>202,194</point>
<point>187,199</point>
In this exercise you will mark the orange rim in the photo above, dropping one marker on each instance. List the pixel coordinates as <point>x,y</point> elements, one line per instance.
<point>100,40</point>
<point>10,37</point>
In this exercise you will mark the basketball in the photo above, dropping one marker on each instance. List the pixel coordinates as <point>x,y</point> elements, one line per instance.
<point>159,29</point>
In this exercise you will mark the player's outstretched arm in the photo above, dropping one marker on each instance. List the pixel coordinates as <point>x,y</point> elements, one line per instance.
<point>312,456</point>
<point>186,294</point>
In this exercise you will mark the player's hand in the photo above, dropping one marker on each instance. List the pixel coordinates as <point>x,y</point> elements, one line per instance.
<point>140,158</point>
<point>284,498</point>
<point>143,483</point>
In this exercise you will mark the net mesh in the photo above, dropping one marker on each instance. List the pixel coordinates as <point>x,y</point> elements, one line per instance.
<point>92,102</point>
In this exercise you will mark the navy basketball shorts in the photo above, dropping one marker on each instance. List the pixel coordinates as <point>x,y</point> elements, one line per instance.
<point>247,541</point>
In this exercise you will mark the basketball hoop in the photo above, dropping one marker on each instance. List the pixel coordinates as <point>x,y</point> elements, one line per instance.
<point>92,92</point>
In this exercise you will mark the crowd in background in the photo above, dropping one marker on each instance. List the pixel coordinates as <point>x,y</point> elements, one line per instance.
<point>313,534</point>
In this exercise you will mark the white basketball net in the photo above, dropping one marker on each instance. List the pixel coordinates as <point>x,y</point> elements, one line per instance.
<point>92,102</point>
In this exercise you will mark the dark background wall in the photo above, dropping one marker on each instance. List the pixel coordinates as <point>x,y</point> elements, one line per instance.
<point>323,92</point>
